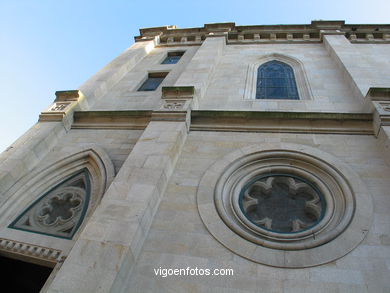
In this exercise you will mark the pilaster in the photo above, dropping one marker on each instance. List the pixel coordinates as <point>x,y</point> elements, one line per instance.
<point>354,67</point>
<point>103,256</point>
<point>199,71</point>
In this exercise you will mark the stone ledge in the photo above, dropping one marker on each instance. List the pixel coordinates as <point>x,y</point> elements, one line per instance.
<point>63,105</point>
<point>379,93</point>
<point>70,95</point>
<point>282,122</point>
<point>243,121</point>
<point>111,119</point>
<point>178,92</point>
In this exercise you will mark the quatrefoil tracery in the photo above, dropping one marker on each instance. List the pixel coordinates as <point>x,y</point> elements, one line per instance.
<point>60,208</point>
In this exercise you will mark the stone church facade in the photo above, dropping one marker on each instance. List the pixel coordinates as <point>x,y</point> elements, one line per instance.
<point>215,159</point>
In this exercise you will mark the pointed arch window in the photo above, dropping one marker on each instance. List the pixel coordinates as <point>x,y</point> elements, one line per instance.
<point>60,211</point>
<point>276,80</point>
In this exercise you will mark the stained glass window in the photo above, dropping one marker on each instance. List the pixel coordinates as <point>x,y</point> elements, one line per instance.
<point>275,80</point>
<point>173,57</point>
<point>60,211</point>
<point>153,81</point>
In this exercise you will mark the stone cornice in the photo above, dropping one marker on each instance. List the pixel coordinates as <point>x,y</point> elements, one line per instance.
<point>243,121</point>
<point>111,119</point>
<point>283,122</point>
<point>301,33</point>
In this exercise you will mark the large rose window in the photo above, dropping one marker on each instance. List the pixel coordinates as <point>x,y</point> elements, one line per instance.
<point>284,205</point>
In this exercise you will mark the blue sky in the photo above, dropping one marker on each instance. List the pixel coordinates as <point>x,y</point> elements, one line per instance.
<point>48,45</point>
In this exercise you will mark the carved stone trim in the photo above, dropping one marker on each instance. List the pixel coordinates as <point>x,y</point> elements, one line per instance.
<point>253,34</point>
<point>176,105</point>
<point>385,106</point>
<point>22,250</point>
<point>51,174</point>
<point>56,112</point>
<point>71,95</point>
<point>63,104</point>
<point>178,92</point>
<point>173,105</point>
<point>60,211</point>
<point>381,114</point>
<point>378,99</point>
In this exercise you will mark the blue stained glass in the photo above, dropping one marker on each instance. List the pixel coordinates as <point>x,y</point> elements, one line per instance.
<point>151,84</point>
<point>171,60</point>
<point>276,80</point>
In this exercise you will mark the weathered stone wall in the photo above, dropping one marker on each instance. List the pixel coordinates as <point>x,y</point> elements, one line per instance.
<point>179,239</point>
<point>329,91</point>
<point>117,144</point>
<point>124,95</point>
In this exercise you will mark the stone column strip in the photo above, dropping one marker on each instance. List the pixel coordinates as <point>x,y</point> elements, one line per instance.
<point>355,69</point>
<point>103,256</point>
<point>199,71</point>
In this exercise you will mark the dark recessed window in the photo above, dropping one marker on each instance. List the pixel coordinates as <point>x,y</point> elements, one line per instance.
<point>276,80</point>
<point>22,276</point>
<point>153,81</point>
<point>173,57</point>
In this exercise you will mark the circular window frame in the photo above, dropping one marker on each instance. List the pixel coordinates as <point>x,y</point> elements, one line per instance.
<point>344,225</point>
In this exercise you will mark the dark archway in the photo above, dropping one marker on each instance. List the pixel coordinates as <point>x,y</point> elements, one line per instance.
<point>23,277</point>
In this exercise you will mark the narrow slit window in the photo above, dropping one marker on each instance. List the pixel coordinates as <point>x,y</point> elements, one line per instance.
<point>153,81</point>
<point>276,80</point>
<point>173,57</point>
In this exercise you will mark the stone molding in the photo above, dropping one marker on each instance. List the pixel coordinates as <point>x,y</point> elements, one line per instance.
<point>178,92</point>
<point>282,122</point>
<point>63,105</point>
<point>379,98</point>
<point>135,120</point>
<point>34,253</point>
<point>344,226</point>
<point>60,211</point>
<point>176,104</point>
<point>306,33</point>
<point>244,121</point>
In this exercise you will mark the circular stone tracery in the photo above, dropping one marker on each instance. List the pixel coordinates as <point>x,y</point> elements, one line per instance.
<point>282,203</point>
<point>330,215</point>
